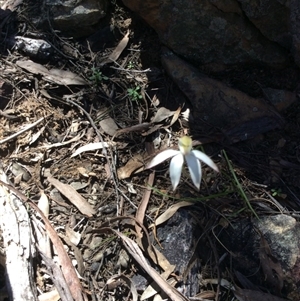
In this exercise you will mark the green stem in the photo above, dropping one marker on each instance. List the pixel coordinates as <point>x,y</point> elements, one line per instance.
<point>238,185</point>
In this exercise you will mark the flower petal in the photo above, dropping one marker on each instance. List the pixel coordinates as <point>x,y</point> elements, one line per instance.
<point>175,169</point>
<point>204,158</point>
<point>194,168</point>
<point>161,157</point>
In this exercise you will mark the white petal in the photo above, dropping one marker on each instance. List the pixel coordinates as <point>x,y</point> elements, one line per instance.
<point>194,168</point>
<point>204,158</point>
<point>161,157</point>
<point>175,169</point>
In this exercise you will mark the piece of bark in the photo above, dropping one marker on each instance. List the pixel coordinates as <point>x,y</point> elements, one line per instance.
<point>19,248</point>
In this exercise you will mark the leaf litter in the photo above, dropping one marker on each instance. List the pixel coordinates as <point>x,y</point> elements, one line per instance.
<point>58,146</point>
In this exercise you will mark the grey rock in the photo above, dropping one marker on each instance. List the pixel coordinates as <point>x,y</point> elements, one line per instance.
<point>282,235</point>
<point>280,99</point>
<point>34,48</point>
<point>210,32</point>
<point>238,115</point>
<point>178,237</point>
<point>217,33</point>
<point>76,17</point>
<point>271,18</point>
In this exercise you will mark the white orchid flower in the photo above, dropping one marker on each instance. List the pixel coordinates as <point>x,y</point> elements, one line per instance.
<point>192,157</point>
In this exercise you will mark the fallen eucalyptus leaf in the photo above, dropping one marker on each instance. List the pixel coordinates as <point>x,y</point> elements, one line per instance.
<point>74,236</point>
<point>175,116</point>
<point>73,196</point>
<point>77,185</point>
<point>90,147</point>
<point>43,204</point>
<point>171,211</point>
<point>133,165</point>
<point>60,77</point>
<point>50,296</point>
<point>118,50</point>
<point>142,127</point>
<point>162,114</point>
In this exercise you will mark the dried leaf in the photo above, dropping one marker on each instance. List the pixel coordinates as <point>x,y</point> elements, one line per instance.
<point>171,211</point>
<point>78,137</point>
<point>245,281</point>
<point>156,256</point>
<point>26,128</point>
<point>36,135</point>
<point>134,250</point>
<point>131,188</point>
<point>158,298</point>
<point>74,236</point>
<point>118,50</point>
<point>64,77</point>
<point>141,211</point>
<point>42,238</point>
<point>175,116</point>
<point>50,296</point>
<point>90,147</point>
<point>128,282</point>
<point>83,171</point>
<point>60,77</point>
<point>162,114</point>
<point>73,196</point>
<point>10,5</point>
<point>160,259</point>
<point>123,259</point>
<point>77,254</point>
<point>43,204</point>
<point>153,129</point>
<point>108,170</point>
<point>74,128</point>
<point>131,166</point>
<point>142,127</point>
<point>153,288</point>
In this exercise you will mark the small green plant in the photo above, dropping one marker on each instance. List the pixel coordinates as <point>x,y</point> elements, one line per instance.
<point>97,76</point>
<point>276,192</point>
<point>130,65</point>
<point>134,93</point>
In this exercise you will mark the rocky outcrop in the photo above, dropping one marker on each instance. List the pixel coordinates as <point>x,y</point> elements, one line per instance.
<point>217,33</point>
<point>271,18</point>
<point>295,29</point>
<point>215,105</point>
<point>268,250</point>
<point>76,17</point>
